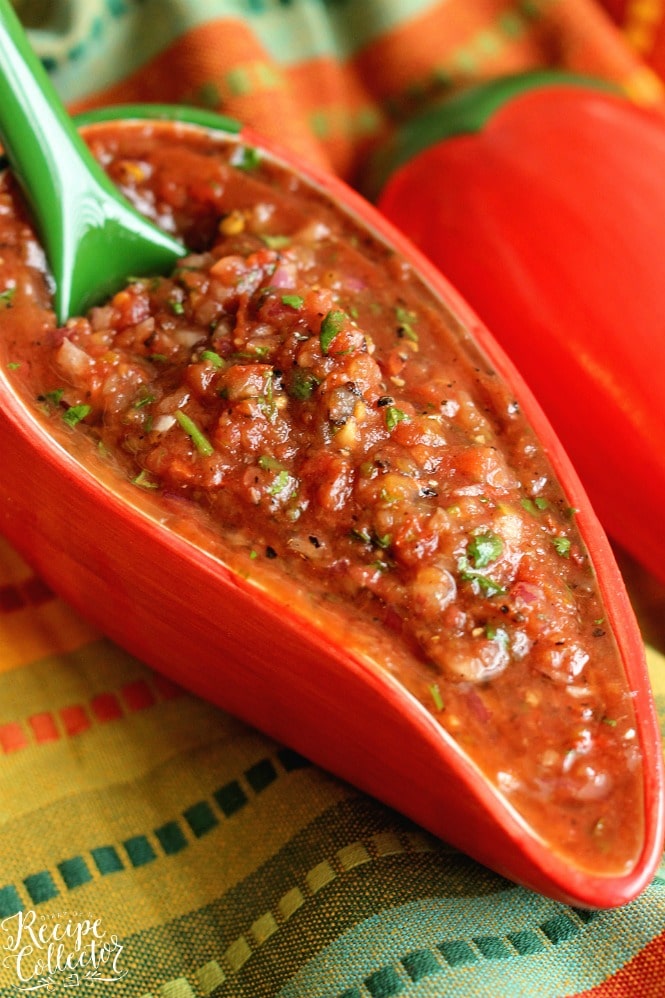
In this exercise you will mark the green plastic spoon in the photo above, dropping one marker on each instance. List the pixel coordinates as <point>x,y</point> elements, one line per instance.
<point>93,238</point>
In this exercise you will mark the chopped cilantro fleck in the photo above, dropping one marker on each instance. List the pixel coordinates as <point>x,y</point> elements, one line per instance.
<point>13,365</point>
<point>483,583</point>
<point>212,358</point>
<point>176,306</point>
<point>275,242</point>
<point>498,634</point>
<point>382,566</point>
<point>145,400</point>
<point>302,385</point>
<point>562,546</point>
<point>269,463</point>
<point>200,441</point>
<point>280,483</point>
<point>54,397</point>
<point>293,301</point>
<point>483,549</point>
<point>246,158</point>
<point>534,506</point>
<point>6,297</point>
<point>330,327</point>
<point>143,481</point>
<point>436,696</point>
<point>75,414</point>
<point>406,320</point>
<point>395,416</point>
<point>382,541</point>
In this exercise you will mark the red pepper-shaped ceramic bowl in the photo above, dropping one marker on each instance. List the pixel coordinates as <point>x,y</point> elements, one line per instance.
<point>159,582</point>
<point>541,198</point>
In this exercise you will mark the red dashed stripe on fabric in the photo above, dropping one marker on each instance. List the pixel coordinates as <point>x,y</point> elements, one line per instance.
<point>74,719</point>
<point>17,596</point>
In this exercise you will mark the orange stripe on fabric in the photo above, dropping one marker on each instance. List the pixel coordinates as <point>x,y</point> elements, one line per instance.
<point>641,977</point>
<point>223,55</point>
<point>340,113</point>
<point>413,51</point>
<point>318,108</point>
<point>591,43</point>
<point>458,42</point>
<point>74,719</point>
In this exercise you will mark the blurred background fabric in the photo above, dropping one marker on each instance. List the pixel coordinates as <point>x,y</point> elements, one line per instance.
<point>216,862</point>
<point>328,77</point>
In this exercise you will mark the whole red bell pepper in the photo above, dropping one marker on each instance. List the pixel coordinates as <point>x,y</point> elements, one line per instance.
<point>542,198</point>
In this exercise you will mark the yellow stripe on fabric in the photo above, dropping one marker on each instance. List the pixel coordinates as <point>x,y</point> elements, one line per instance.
<point>268,924</point>
<point>126,752</point>
<point>57,680</point>
<point>644,87</point>
<point>237,928</point>
<point>106,756</point>
<point>135,851</point>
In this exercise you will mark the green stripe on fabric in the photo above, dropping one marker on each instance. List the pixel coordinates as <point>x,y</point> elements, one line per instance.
<point>40,887</point>
<point>74,872</point>
<point>524,955</point>
<point>384,983</point>
<point>138,850</point>
<point>419,964</point>
<point>171,838</point>
<point>278,939</point>
<point>349,885</point>
<point>10,901</point>
<point>249,942</point>
<point>457,952</point>
<point>107,860</point>
<point>526,941</point>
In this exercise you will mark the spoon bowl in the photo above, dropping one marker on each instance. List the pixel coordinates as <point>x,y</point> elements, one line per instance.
<point>159,584</point>
<point>81,216</point>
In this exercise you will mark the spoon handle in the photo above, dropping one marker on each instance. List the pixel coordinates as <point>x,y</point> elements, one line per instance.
<point>71,198</point>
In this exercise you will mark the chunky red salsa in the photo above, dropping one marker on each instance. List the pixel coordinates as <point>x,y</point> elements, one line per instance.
<point>295,384</point>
